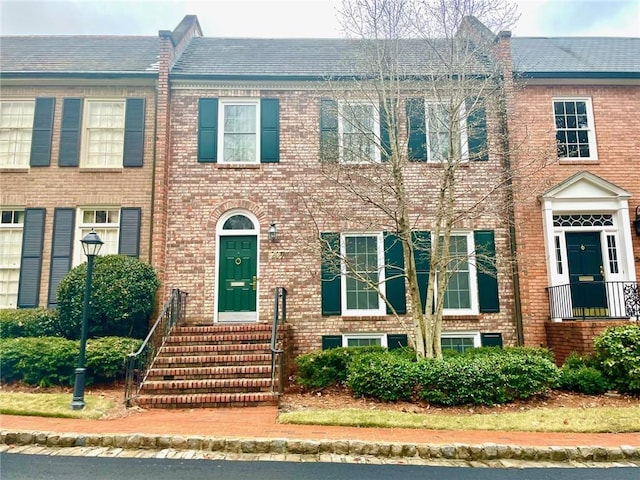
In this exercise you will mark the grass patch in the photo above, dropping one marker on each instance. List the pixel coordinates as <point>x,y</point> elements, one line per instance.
<point>574,420</point>
<point>52,405</point>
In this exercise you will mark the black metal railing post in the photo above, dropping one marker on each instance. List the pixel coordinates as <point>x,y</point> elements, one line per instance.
<point>280,298</point>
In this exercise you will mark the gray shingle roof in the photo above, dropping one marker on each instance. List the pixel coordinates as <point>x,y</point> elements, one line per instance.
<point>244,57</point>
<point>553,56</point>
<point>78,54</point>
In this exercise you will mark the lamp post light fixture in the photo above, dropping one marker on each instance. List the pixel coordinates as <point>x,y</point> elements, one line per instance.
<point>91,245</point>
<point>636,222</point>
<point>273,232</point>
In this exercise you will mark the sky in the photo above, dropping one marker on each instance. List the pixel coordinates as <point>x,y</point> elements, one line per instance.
<point>284,18</point>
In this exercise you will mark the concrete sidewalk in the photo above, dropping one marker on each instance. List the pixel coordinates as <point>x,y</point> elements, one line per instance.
<point>255,430</point>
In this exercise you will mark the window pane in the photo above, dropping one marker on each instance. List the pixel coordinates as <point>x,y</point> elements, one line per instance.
<point>240,133</point>
<point>105,134</point>
<point>10,252</point>
<point>361,256</point>
<point>363,342</point>
<point>458,292</point>
<point>572,129</point>
<point>358,133</point>
<point>16,122</point>
<point>458,344</point>
<point>238,222</point>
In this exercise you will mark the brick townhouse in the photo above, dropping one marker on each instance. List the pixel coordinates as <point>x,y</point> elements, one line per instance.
<point>203,156</point>
<point>578,219</point>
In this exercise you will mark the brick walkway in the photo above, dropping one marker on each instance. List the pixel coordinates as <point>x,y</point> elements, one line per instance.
<point>261,422</point>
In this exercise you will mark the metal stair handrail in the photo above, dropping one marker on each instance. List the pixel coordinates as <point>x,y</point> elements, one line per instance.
<point>280,296</point>
<point>138,363</point>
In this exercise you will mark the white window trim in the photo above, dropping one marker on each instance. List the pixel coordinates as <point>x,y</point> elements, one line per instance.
<point>477,341</point>
<point>78,255</point>
<point>462,119</point>
<point>378,336</point>
<point>84,137</point>
<point>591,131</point>
<point>381,310</point>
<point>28,163</point>
<point>377,157</point>
<point>222,102</point>
<point>473,278</point>
<point>14,226</point>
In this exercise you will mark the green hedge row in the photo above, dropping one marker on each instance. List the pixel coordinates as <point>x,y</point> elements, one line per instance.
<point>47,361</point>
<point>29,322</point>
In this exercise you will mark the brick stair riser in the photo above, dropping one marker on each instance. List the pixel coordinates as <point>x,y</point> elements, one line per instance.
<point>204,329</point>
<point>210,400</point>
<point>211,361</point>
<point>181,387</point>
<point>235,339</point>
<point>213,373</point>
<point>215,349</point>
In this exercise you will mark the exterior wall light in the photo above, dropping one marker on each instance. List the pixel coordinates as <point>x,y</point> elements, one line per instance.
<point>273,232</point>
<point>636,222</point>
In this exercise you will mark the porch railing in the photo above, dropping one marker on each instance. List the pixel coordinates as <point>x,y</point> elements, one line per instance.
<point>138,363</point>
<point>277,354</point>
<point>590,300</point>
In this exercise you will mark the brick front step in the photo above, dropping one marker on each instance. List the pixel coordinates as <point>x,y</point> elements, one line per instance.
<point>199,349</point>
<point>222,385</point>
<point>220,372</point>
<point>219,328</point>
<point>212,360</point>
<point>207,400</point>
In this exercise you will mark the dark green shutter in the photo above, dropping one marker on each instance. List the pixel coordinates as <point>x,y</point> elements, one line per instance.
<point>70,132</point>
<point>396,341</point>
<point>486,271</point>
<point>422,252</point>
<point>134,133</point>
<point>329,131</point>
<point>331,341</point>
<point>330,274</point>
<point>269,130</point>
<point>207,130</point>
<point>129,241</point>
<point>385,124</point>
<point>491,339</point>
<point>31,258</point>
<point>42,132</point>
<point>416,130</point>
<point>61,250</point>
<point>477,130</point>
<point>394,266</point>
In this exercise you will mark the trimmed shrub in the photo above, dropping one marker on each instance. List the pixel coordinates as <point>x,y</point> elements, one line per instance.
<point>47,361</point>
<point>382,375</point>
<point>485,379</point>
<point>618,356</point>
<point>29,322</point>
<point>122,298</point>
<point>321,369</point>
<point>587,380</point>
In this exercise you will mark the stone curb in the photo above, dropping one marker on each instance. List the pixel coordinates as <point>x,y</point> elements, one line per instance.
<point>455,451</point>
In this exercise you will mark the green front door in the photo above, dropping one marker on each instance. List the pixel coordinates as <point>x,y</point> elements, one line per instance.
<point>586,274</point>
<point>237,280</point>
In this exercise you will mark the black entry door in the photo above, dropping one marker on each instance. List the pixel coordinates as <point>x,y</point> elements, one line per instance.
<point>586,274</point>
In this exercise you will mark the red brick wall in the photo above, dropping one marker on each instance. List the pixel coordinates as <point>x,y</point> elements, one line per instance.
<point>52,186</point>
<point>617,120</point>
<point>200,193</point>
<point>566,337</point>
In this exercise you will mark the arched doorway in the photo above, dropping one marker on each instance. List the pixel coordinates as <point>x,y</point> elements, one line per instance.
<point>237,268</point>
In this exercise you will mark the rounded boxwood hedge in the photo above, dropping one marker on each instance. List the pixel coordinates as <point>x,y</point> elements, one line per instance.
<point>122,298</point>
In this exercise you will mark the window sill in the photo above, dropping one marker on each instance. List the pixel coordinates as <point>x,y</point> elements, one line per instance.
<point>101,170</point>
<point>468,318</point>
<point>581,161</point>
<point>14,170</point>
<point>238,166</point>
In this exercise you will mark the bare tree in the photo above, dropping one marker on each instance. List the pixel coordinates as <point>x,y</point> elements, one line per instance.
<point>426,84</point>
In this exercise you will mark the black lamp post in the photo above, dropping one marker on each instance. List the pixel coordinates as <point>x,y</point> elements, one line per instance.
<point>91,244</point>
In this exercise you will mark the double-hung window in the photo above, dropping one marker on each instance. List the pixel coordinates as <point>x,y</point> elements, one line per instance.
<point>460,295</point>
<point>460,341</point>
<point>16,126</point>
<point>11,226</point>
<point>104,134</point>
<point>362,272</point>
<point>105,222</point>
<point>575,134</point>
<point>359,127</point>
<point>446,133</point>
<point>239,140</point>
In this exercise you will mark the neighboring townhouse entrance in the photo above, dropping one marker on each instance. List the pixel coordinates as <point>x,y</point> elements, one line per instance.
<point>586,274</point>
<point>237,278</point>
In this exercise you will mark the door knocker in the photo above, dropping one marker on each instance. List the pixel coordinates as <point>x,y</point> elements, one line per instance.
<point>238,261</point>
<point>582,247</point>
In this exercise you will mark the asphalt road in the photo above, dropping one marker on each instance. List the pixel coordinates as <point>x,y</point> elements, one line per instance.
<point>46,467</point>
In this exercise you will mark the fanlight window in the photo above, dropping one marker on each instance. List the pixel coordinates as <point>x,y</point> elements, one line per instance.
<point>238,222</point>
